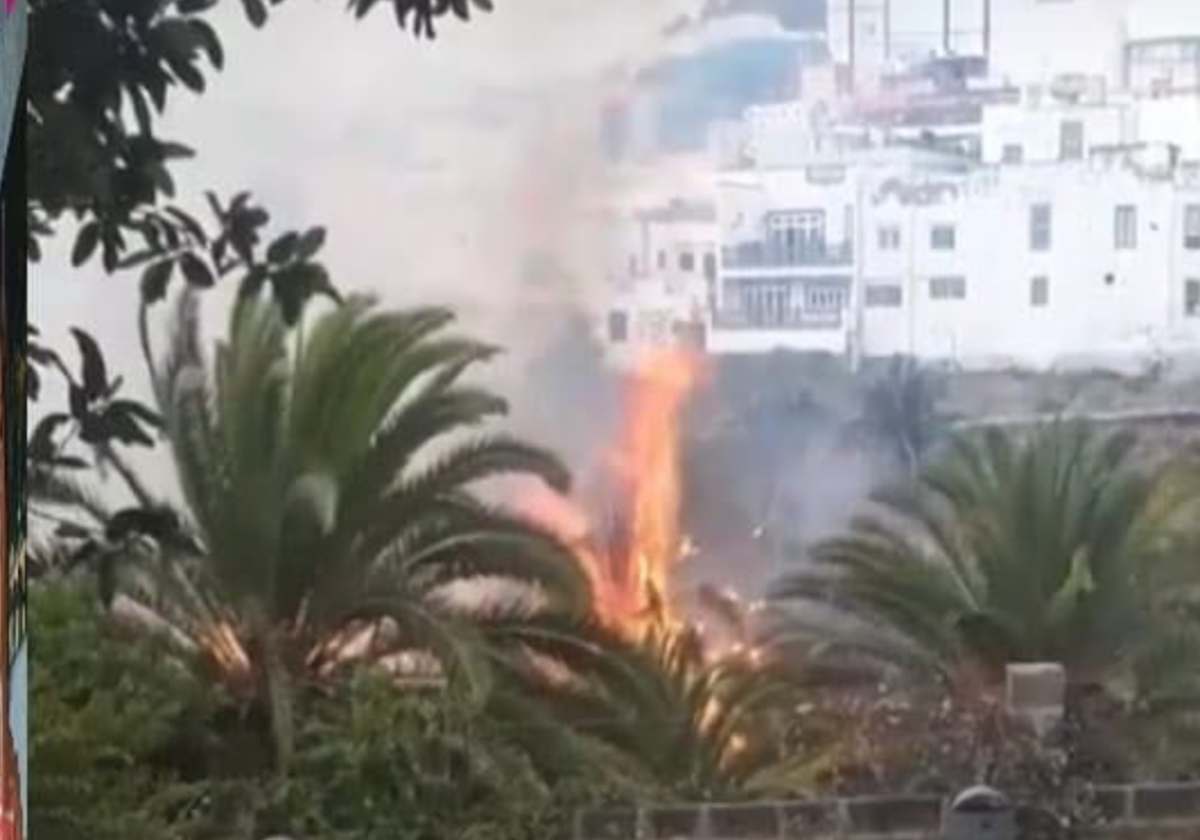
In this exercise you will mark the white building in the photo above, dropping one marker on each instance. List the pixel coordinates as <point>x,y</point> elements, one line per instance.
<point>666,259</point>
<point>909,252</point>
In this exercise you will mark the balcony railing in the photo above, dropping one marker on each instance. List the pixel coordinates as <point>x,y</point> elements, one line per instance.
<point>772,255</point>
<point>734,319</point>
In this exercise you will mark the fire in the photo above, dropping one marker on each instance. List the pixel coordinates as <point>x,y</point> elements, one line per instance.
<point>631,571</point>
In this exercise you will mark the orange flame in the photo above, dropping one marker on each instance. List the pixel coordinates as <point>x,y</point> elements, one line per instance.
<point>631,578</point>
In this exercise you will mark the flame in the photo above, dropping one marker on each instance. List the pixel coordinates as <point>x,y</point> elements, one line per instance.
<point>631,576</point>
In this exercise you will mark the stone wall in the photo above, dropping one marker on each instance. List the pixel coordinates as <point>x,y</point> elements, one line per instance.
<point>1132,812</point>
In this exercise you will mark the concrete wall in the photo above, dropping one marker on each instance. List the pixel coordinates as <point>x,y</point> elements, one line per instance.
<point>1137,812</point>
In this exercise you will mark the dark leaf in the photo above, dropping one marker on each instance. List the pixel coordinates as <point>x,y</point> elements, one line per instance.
<point>189,223</point>
<point>195,271</point>
<point>283,249</point>
<point>141,110</point>
<point>71,531</point>
<point>310,243</point>
<point>41,446</point>
<point>176,151</point>
<point>69,462</point>
<point>85,243</point>
<point>78,403</point>
<point>253,282</point>
<point>210,43</point>
<point>191,7</point>
<point>159,524</point>
<point>192,78</point>
<point>139,412</point>
<point>122,426</point>
<point>256,12</point>
<point>95,375</point>
<point>154,281</point>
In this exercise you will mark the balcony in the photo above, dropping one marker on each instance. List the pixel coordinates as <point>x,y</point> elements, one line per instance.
<point>735,319</point>
<point>760,255</point>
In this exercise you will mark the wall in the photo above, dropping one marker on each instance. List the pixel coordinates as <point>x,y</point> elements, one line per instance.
<point>1139,812</point>
<point>1037,129</point>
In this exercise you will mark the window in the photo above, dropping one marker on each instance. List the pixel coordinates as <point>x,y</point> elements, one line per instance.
<point>633,265</point>
<point>797,236</point>
<point>1191,227</point>
<point>1013,153</point>
<point>1039,291</point>
<point>943,238</point>
<point>1191,298</point>
<point>1125,227</point>
<point>618,327</point>
<point>1070,140</point>
<point>662,259</point>
<point>710,266</point>
<point>1040,227</point>
<point>824,299</point>
<point>948,288</point>
<point>763,303</point>
<point>883,295</point>
<point>889,238</point>
<point>687,261</point>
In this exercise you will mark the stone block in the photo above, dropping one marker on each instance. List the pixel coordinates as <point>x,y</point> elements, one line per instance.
<point>880,815</point>
<point>1166,801</point>
<point>1035,688</point>
<point>808,820</point>
<point>743,822</point>
<point>674,823</point>
<point>619,824</point>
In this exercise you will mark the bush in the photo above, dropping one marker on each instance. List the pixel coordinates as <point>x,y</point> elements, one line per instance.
<point>109,711</point>
<point>378,764</point>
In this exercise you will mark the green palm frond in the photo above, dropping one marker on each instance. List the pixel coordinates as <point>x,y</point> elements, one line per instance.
<point>1004,550</point>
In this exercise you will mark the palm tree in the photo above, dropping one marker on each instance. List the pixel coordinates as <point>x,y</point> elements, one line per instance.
<point>900,412</point>
<point>331,496</point>
<point>1004,550</point>
<point>661,714</point>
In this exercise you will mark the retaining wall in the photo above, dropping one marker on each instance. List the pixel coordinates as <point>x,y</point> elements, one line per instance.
<point>1130,812</point>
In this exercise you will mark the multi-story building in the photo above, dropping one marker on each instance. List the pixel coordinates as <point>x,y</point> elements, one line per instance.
<point>666,271</point>
<point>916,253</point>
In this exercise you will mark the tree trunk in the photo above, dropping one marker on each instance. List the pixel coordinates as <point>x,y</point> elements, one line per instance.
<point>280,701</point>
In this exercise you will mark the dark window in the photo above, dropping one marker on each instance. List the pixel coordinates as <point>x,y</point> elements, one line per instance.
<point>618,327</point>
<point>1039,291</point>
<point>1070,140</point>
<point>884,295</point>
<point>1125,227</point>
<point>1013,153</point>
<point>687,261</point>
<point>889,238</point>
<point>1040,227</point>
<point>710,266</point>
<point>1191,298</point>
<point>943,238</point>
<point>948,288</point>
<point>662,259</point>
<point>633,265</point>
<point>1191,227</point>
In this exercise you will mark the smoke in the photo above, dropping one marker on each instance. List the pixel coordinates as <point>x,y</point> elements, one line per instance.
<point>771,469</point>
